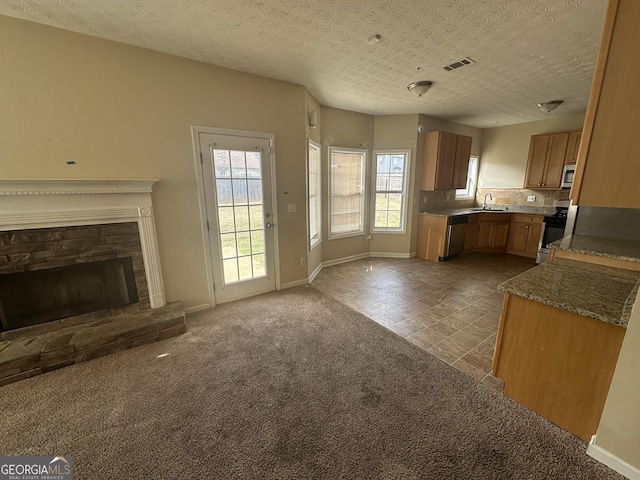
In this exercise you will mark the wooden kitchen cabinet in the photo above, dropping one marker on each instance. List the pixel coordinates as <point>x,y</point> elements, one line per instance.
<point>471,234</point>
<point>432,236</point>
<point>446,161</point>
<point>461,163</point>
<point>525,234</point>
<point>572,147</point>
<point>608,170</point>
<point>545,164</point>
<point>555,362</point>
<point>493,232</point>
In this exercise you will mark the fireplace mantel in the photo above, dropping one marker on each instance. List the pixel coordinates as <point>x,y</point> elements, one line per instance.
<point>46,203</point>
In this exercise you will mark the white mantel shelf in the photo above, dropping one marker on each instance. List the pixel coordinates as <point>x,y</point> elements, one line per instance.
<point>49,203</point>
<point>34,186</point>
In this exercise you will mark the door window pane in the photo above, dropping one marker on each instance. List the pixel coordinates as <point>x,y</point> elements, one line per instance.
<point>240,214</point>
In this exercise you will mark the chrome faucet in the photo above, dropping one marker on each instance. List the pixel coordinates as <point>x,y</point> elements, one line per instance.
<point>484,203</point>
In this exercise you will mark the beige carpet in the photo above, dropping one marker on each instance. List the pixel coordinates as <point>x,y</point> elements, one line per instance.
<point>288,385</point>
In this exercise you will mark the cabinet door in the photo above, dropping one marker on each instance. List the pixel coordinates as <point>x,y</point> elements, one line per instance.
<point>445,161</point>
<point>461,164</point>
<point>533,238</point>
<point>471,235</point>
<point>519,239</point>
<point>432,236</point>
<point>485,234</point>
<point>572,147</point>
<point>536,162</point>
<point>555,160</point>
<point>501,235</point>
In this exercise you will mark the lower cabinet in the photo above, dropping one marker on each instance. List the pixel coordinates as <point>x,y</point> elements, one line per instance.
<point>557,363</point>
<point>432,236</point>
<point>513,233</point>
<point>525,234</point>
<point>493,232</point>
<point>471,234</point>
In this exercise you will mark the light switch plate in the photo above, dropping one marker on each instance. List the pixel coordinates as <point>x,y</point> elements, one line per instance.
<point>531,198</point>
<point>293,208</point>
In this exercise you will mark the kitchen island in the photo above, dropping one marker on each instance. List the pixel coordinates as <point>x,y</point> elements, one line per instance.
<point>562,327</point>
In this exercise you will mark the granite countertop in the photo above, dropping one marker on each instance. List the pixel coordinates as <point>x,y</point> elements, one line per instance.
<point>601,247</point>
<point>595,291</point>
<point>452,212</point>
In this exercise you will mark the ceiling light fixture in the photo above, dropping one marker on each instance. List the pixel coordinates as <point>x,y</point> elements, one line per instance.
<point>549,106</point>
<point>420,87</point>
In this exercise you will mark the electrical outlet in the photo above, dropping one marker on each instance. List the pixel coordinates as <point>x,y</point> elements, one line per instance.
<point>424,199</point>
<point>531,198</point>
<point>293,208</point>
<point>303,260</point>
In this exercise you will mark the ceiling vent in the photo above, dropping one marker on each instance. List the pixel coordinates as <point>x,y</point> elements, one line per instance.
<point>462,63</point>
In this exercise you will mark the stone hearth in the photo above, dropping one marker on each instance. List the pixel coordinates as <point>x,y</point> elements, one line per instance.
<point>29,356</point>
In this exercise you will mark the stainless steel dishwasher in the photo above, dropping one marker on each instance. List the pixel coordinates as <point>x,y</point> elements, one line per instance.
<point>456,230</point>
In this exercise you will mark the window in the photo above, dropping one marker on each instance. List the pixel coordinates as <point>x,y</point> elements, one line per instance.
<point>346,191</point>
<point>315,196</point>
<point>390,197</point>
<point>472,179</point>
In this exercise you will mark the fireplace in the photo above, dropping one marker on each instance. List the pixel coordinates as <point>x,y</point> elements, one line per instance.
<point>79,274</point>
<point>72,247</point>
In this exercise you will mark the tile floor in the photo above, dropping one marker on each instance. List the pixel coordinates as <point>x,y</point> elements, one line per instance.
<point>450,309</point>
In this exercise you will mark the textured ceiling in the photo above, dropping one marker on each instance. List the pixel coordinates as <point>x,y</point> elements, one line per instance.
<point>525,51</point>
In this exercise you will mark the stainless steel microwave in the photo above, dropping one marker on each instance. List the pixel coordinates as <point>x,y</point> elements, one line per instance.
<point>567,175</point>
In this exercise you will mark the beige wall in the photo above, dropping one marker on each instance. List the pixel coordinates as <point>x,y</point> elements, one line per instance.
<point>397,132</point>
<point>619,429</point>
<point>342,128</point>
<point>126,112</point>
<point>505,149</point>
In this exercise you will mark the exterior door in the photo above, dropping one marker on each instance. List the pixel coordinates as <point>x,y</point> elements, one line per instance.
<point>236,172</point>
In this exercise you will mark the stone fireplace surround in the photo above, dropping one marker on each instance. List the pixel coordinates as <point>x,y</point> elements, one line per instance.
<point>28,205</point>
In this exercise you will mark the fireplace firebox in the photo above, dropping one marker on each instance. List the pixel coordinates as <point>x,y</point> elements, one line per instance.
<point>34,297</point>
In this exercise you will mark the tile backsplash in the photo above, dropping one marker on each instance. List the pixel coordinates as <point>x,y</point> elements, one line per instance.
<point>442,198</point>
<point>430,200</point>
<point>518,196</point>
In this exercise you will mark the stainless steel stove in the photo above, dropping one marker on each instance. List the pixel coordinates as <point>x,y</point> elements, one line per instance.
<point>553,229</point>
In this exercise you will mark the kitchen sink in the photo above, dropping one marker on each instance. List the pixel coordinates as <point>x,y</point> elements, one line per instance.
<point>480,209</point>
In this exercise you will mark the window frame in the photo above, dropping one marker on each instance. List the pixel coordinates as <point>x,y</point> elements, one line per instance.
<point>363,191</point>
<point>405,191</point>
<point>472,180</point>
<point>314,242</point>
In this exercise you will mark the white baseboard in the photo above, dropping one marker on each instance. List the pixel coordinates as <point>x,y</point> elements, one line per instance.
<point>315,273</point>
<point>351,258</point>
<point>197,308</point>
<point>389,255</point>
<point>297,283</point>
<point>611,461</point>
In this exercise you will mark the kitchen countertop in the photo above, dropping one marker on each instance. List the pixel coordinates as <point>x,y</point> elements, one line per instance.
<point>596,291</point>
<point>452,212</point>
<point>599,247</point>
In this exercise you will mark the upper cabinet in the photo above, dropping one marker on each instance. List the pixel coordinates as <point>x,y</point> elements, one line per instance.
<point>446,161</point>
<point>572,147</point>
<point>608,167</point>
<point>546,161</point>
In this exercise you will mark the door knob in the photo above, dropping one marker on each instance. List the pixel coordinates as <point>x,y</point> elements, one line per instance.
<point>269,225</point>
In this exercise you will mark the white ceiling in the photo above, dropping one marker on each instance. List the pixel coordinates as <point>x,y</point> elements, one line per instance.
<point>526,51</point>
